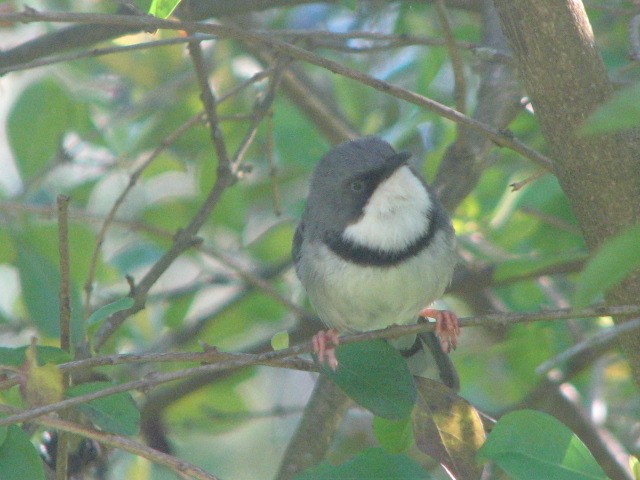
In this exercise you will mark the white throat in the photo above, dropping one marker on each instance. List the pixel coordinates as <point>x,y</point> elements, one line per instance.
<point>394,217</point>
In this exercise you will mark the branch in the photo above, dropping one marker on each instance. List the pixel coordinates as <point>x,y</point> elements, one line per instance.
<point>312,439</point>
<point>497,105</point>
<point>184,239</point>
<point>98,52</point>
<point>459,87</point>
<point>65,281</point>
<point>116,441</point>
<point>65,317</point>
<point>499,137</point>
<point>209,102</point>
<point>604,338</point>
<point>133,179</point>
<point>235,362</point>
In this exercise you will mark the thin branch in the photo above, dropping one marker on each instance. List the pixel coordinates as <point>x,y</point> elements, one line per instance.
<point>65,277</point>
<point>98,52</point>
<point>133,179</point>
<point>515,186</point>
<point>234,362</point>
<point>552,220</point>
<point>460,85</point>
<point>179,466</point>
<point>400,40</point>
<point>261,110</point>
<point>209,355</point>
<point>604,337</point>
<point>184,239</point>
<point>327,403</point>
<point>257,277</point>
<point>308,97</point>
<point>65,318</point>
<point>209,102</point>
<point>634,37</point>
<point>273,170</point>
<point>501,138</point>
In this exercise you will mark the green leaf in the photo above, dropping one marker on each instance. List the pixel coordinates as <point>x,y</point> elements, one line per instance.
<point>163,8</point>
<point>372,463</point>
<point>109,309</point>
<point>40,283</point>
<point>395,436</point>
<point>634,465</point>
<point>615,259</point>
<point>44,354</point>
<point>375,376</point>
<point>532,445</point>
<point>620,112</point>
<point>3,434</point>
<point>280,340</point>
<point>447,428</point>
<point>116,413</point>
<point>19,458</point>
<point>37,121</point>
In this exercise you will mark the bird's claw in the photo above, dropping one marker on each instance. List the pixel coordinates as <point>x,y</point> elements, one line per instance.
<point>447,327</point>
<point>324,343</point>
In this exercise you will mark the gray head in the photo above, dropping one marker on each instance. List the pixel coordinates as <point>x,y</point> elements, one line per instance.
<point>344,179</point>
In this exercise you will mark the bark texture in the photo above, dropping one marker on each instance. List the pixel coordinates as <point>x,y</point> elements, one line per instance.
<point>565,78</point>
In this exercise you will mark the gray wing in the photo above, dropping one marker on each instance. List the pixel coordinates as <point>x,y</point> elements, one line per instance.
<point>296,248</point>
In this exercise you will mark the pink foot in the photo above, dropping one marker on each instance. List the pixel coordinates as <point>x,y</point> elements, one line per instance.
<point>324,343</point>
<point>447,327</point>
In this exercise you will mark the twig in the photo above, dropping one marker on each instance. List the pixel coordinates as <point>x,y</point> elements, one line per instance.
<point>634,37</point>
<point>552,220</point>
<point>184,239</point>
<point>233,362</point>
<point>258,280</point>
<point>459,87</point>
<point>65,280</point>
<point>307,96</point>
<point>261,110</point>
<point>503,139</point>
<point>603,337</point>
<point>401,40</point>
<point>65,318</point>
<point>179,466</point>
<point>515,186</point>
<point>208,356</point>
<point>133,179</point>
<point>273,170</point>
<point>98,52</point>
<point>209,102</point>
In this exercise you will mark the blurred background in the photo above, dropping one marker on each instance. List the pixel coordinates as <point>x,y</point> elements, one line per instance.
<point>86,125</point>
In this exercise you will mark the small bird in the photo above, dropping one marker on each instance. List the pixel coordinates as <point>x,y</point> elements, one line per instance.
<point>374,247</point>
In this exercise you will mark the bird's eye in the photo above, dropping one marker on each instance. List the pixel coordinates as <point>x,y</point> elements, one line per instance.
<point>357,186</point>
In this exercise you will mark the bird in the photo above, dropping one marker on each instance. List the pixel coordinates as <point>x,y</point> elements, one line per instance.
<point>375,247</point>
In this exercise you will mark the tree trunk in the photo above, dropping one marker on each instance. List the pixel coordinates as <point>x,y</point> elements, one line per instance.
<point>565,78</point>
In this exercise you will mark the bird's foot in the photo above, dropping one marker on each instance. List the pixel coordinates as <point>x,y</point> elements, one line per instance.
<point>324,346</point>
<point>447,327</point>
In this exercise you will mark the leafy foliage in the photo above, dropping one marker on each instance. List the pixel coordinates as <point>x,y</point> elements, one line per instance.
<point>532,445</point>
<point>18,457</point>
<point>376,376</point>
<point>125,135</point>
<point>371,463</point>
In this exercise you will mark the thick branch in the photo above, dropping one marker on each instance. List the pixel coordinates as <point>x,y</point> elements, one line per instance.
<point>566,79</point>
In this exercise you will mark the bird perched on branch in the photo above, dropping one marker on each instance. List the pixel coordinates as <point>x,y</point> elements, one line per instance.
<point>374,248</point>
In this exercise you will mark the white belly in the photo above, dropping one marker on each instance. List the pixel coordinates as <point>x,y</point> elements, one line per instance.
<point>358,298</point>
